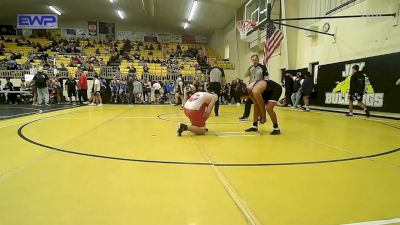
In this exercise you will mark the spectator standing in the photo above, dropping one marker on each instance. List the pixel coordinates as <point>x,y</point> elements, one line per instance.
<point>129,87</point>
<point>96,91</point>
<point>70,87</point>
<point>296,96</point>
<point>157,88</point>
<point>307,88</point>
<point>41,80</point>
<point>289,85</point>
<point>83,86</point>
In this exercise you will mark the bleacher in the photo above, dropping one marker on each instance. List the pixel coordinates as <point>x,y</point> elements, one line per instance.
<point>188,66</point>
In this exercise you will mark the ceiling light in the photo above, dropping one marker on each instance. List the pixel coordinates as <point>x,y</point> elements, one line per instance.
<point>112,1</point>
<point>55,10</point>
<point>185,26</point>
<point>192,10</point>
<point>120,14</point>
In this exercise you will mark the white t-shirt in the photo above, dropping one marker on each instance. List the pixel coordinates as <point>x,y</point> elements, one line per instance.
<point>96,85</point>
<point>156,86</point>
<point>196,101</point>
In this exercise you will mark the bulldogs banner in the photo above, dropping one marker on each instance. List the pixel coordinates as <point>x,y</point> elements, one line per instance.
<point>381,92</point>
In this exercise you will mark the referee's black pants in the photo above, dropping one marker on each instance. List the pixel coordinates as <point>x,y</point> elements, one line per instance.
<point>247,108</point>
<point>215,87</point>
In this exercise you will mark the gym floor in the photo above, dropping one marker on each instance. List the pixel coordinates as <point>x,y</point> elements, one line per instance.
<point>121,164</point>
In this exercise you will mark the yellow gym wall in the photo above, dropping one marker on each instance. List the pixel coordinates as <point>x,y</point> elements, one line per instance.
<point>356,38</point>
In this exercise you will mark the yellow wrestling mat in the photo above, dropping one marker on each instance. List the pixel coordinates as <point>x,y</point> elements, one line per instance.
<point>125,165</point>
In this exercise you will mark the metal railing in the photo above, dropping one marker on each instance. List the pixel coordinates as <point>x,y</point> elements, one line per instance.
<point>106,72</point>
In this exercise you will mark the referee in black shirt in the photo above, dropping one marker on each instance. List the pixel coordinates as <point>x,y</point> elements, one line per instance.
<point>217,80</point>
<point>255,72</point>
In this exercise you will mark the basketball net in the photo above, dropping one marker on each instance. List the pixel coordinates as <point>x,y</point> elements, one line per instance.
<point>244,26</point>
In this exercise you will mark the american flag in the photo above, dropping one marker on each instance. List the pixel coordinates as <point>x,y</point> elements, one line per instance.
<point>273,39</point>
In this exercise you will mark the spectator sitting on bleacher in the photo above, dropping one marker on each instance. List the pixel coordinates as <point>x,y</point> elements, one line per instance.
<point>62,68</point>
<point>11,65</point>
<point>172,54</point>
<point>145,68</point>
<point>68,50</point>
<point>127,57</point>
<point>159,47</point>
<point>157,60</point>
<point>90,68</point>
<point>136,56</point>
<point>76,50</point>
<point>8,40</point>
<point>101,62</point>
<point>132,70</point>
<point>151,47</point>
<point>142,61</point>
<point>46,66</point>
<point>27,65</point>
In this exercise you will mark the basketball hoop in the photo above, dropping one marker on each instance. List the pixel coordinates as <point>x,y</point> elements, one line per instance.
<point>244,26</point>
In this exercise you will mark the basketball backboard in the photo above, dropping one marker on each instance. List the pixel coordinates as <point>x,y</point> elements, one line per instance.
<point>256,11</point>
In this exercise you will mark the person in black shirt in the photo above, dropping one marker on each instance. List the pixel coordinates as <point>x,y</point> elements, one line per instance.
<point>41,80</point>
<point>289,85</point>
<point>265,95</point>
<point>70,86</point>
<point>357,90</point>
<point>12,98</point>
<point>217,80</point>
<point>307,88</point>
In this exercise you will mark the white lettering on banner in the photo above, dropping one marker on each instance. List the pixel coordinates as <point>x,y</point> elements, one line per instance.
<point>37,21</point>
<point>348,68</point>
<point>371,100</point>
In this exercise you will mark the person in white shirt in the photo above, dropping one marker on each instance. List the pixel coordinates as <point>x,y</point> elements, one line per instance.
<point>157,88</point>
<point>198,109</point>
<point>96,91</point>
<point>296,95</point>
<point>179,92</point>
